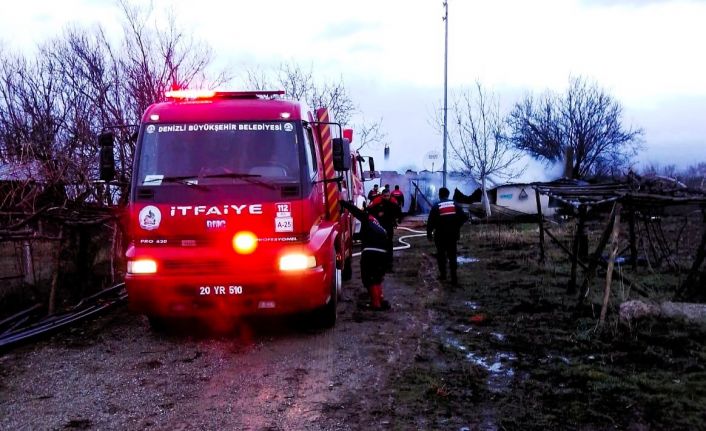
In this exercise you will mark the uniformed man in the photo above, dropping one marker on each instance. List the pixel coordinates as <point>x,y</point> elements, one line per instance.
<point>373,257</point>
<point>386,210</point>
<point>399,197</point>
<point>443,227</point>
<point>373,193</point>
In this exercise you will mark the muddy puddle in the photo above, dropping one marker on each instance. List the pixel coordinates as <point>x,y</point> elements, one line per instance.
<point>462,260</point>
<point>512,351</point>
<point>497,365</point>
<point>472,305</point>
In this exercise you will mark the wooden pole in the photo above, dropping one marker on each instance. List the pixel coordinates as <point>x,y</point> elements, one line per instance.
<point>540,221</point>
<point>633,239</point>
<point>596,256</point>
<point>689,286</point>
<point>611,263</point>
<point>634,286</point>
<point>563,247</point>
<point>575,254</point>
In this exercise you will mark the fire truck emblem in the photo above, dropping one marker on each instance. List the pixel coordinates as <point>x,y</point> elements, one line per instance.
<point>150,217</point>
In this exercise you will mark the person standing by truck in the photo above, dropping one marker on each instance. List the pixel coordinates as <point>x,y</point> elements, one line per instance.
<point>386,210</point>
<point>373,193</point>
<point>373,257</point>
<point>443,227</point>
<point>398,195</point>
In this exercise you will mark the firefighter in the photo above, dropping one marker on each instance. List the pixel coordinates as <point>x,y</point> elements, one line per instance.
<point>373,256</point>
<point>372,194</point>
<point>443,227</point>
<point>399,197</point>
<point>386,210</point>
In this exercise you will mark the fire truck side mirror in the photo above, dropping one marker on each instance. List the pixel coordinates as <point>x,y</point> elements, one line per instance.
<point>107,160</point>
<point>341,154</point>
<point>371,163</point>
<point>348,134</point>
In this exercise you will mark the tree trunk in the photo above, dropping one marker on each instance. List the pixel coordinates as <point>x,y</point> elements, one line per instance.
<point>540,221</point>
<point>486,202</point>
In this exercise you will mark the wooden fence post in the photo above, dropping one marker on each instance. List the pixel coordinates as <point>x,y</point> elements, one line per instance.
<point>633,238</point>
<point>595,257</point>
<point>577,238</point>
<point>688,288</point>
<point>611,263</point>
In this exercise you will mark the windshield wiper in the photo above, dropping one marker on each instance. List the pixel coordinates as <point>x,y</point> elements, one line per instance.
<point>251,178</point>
<point>186,180</point>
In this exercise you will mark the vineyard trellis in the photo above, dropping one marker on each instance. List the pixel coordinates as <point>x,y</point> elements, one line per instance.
<point>645,207</point>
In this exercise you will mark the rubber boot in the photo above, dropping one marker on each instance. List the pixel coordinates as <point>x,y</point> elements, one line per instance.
<point>376,296</point>
<point>384,304</point>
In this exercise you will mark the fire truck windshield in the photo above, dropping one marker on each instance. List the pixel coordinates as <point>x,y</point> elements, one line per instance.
<point>218,153</point>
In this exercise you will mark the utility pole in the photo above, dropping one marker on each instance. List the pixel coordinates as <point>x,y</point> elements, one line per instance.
<point>446,75</point>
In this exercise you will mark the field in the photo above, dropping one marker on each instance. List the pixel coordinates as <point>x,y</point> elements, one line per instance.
<point>507,350</point>
<point>511,349</point>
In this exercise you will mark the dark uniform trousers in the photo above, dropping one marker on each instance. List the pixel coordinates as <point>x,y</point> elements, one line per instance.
<point>444,222</point>
<point>446,251</point>
<point>372,267</point>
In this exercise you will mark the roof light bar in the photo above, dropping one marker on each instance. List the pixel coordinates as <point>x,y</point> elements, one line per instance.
<point>190,94</point>
<point>209,94</point>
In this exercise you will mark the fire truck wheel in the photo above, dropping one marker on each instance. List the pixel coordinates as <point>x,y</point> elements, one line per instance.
<point>158,324</point>
<point>348,268</point>
<point>325,317</point>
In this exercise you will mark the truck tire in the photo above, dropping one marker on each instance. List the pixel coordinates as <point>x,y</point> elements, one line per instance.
<point>325,317</point>
<point>158,324</point>
<point>347,269</point>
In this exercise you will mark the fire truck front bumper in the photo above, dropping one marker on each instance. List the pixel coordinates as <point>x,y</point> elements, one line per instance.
<point>229,294</point>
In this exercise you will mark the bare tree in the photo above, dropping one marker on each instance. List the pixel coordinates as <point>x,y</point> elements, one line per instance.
<point>695,176</point>
<point>585,118</point>
<point>34,113</point>
<point>154,59</point>
<point>478,140</point>
<point>369,135</point>
<point>301,84</point>
<point>53,107</point>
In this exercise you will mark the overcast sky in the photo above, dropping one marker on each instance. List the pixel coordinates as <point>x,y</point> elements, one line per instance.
<point>649,54</point>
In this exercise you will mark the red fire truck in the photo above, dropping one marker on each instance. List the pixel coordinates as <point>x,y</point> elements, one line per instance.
<point>234,207</point>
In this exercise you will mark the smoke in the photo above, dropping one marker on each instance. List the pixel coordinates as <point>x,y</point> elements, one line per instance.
<point>539,171</point>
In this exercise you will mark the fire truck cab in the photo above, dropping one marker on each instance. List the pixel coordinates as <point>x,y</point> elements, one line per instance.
<point>234,208</point>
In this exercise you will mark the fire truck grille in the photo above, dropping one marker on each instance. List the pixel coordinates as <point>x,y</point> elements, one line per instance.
<point>214,266</point>
<point>199,266</point>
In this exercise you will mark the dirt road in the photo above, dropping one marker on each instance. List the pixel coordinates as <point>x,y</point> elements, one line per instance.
<point>116,373</point>
<point>507,350</point>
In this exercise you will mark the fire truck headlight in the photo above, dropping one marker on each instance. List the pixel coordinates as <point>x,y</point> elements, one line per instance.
<point>244,242</point>
<point>296,261</point>
<point>142,266</point>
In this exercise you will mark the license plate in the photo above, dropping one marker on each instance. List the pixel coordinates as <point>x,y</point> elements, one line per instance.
<point>221,290</point>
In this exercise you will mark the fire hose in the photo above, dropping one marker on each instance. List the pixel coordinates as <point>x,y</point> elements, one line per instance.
<point>15,329</point>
